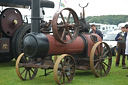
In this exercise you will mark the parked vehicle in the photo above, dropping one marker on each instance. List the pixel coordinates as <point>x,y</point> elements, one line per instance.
<point>109,38</point>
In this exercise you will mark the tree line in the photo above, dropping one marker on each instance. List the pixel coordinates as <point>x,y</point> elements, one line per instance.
<point>108,19</point>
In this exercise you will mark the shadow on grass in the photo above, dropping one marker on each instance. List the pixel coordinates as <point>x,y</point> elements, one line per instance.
<point>8,64</point>
<point>84,73</point>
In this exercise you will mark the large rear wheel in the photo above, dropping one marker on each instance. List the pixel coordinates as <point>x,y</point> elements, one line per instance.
<point>100,59</point>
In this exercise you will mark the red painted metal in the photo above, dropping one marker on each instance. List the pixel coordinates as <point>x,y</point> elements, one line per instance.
<point>90,42</point>
<point>76,47</point>
<point>56,48</point>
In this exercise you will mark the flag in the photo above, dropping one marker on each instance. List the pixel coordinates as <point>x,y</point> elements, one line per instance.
<point>62,4</point>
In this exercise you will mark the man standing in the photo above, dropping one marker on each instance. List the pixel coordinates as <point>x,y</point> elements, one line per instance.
<point>121,38</point>
<point>94,30</point>
<point>126,48</point>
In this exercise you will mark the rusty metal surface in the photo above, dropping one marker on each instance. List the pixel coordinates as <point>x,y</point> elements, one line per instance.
<point>100,59</point>
<point>47,64</point>
<point>64,69</point>
<point>4,45</point>
<point>11,19</point>
<point>60,30</point>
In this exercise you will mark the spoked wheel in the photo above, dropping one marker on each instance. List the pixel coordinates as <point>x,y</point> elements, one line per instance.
<point>63,26</point>
<point>64,69</point>
<point>25,72</point>
<point>100,59</point>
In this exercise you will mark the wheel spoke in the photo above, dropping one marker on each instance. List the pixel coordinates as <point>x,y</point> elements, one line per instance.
<point>70,66</point>
<point>96,60</point>
<point>106,64</point>
<point>69,33</point>
<point>67,76</point>
<point>100,69</point>
<point>63,78</point>
<point>22,72</point>
<point>62,18</point>
<point>104,68</point>
<point>29,74</point>
<point>60,77</point>
<point>25,75</point>
<point>98,51</point>
<point>101,49</point>
<point>62,37</point>
<point>33,71</point>
<point>67,63</point>
<point>105,53</point>
<point>68,17</point>
<point>96,65</point>
<point>62,64</point>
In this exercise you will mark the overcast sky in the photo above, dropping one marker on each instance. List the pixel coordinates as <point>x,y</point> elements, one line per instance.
<point>95,7</point>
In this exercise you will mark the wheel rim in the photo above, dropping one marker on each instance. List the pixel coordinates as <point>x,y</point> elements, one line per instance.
<point>64,28</point>
<point>64,69</point>
<point>25,72</point>
<point>100,59</point>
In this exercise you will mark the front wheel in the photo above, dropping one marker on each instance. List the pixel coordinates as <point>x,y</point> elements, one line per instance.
<point>64,69</point>
<point>25,72</point>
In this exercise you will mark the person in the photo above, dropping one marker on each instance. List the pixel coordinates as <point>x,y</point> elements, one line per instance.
<point>94,30</point>
<point>121,39</point>
<point>126,48</point>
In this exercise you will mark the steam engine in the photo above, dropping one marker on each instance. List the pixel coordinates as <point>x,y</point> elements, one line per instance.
<point>66,39</point>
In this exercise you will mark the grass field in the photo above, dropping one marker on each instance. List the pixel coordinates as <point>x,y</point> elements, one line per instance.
<point>116,76</point>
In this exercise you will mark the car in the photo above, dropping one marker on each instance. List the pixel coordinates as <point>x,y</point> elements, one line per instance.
<point>109,38</point>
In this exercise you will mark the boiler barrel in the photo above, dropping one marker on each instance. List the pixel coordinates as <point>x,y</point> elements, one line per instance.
<point>55,47</point>
<point>41,45</point>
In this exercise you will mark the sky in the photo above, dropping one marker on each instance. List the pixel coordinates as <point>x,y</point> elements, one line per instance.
<point>94,8</point>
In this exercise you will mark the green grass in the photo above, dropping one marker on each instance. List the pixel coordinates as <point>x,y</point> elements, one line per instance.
<point>116,76</point>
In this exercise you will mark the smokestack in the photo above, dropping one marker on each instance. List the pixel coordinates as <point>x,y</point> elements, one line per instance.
<point>35,16</point>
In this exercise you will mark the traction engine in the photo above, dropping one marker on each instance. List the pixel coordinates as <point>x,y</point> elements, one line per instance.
<point>13,27</point>
<point>10,21</point>
<point>64,48</point>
